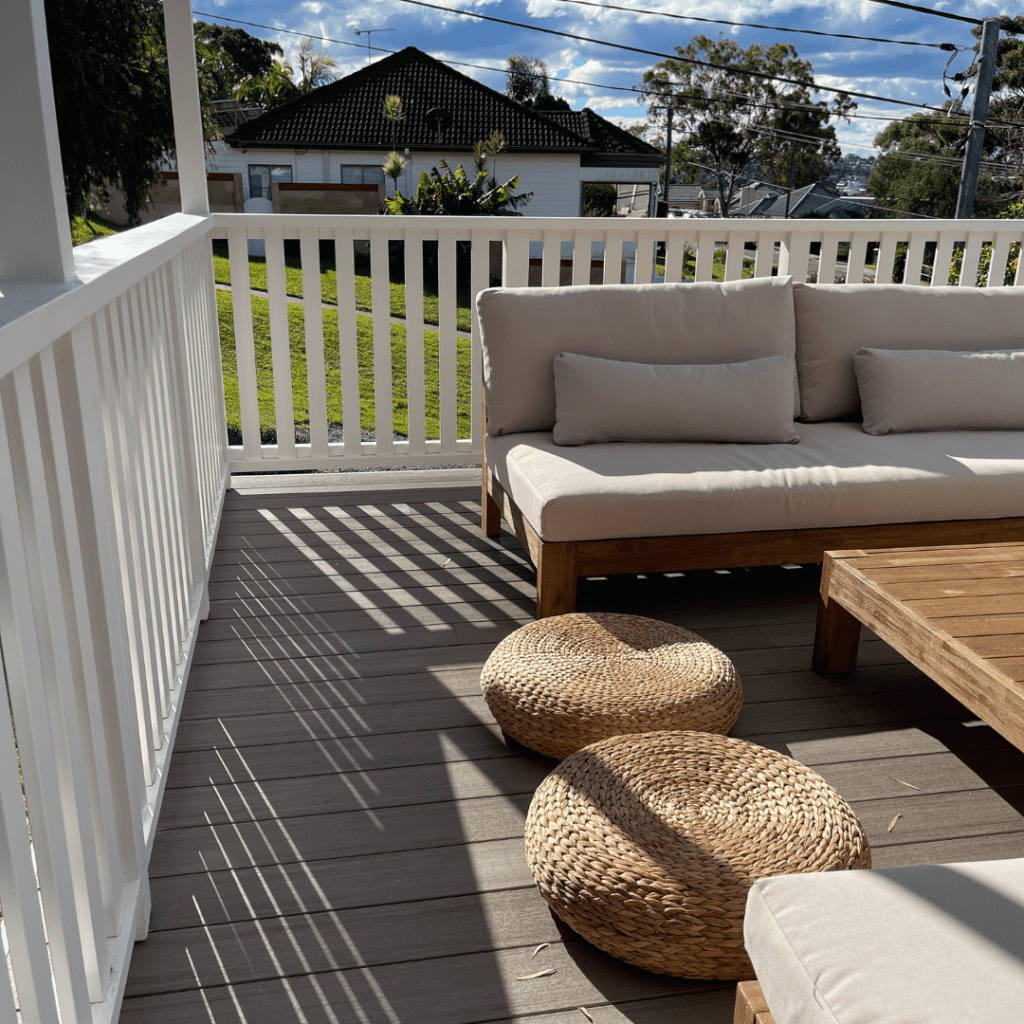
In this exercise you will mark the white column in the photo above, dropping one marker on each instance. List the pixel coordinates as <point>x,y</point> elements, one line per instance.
<point>188,121</point>
<point>35,236</point>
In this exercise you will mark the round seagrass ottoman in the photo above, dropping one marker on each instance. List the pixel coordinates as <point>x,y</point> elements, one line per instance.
<point>563,682</point>
<point>647,845</point>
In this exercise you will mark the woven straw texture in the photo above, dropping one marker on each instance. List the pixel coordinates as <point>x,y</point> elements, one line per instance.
<point>647,845</point>
<point>560,683</point>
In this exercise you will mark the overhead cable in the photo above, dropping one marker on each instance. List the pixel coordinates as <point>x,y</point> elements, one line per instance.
<point>673,57</point>
<point>928,10</point>
<point>750,24</point>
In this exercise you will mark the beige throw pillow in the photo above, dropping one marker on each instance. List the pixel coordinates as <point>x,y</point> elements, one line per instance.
<point>927,389</point>
<point>608,400</point>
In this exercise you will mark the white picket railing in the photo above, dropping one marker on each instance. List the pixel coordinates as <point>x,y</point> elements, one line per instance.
<point>530,251</point>
<point>112,477</point>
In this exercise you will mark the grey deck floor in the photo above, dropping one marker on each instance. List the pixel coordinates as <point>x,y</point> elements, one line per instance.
<point>341,837</point>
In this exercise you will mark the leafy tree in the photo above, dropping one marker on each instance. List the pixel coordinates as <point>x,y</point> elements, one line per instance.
<point>112,97</point>
<point>316,67</point>
<point>545,101</point>
<point>599,199</point>
<point>269,90</point>
<point>918,170</point>
<point>1007,103</point>
<point>526,77</point>
<point>237,56</point>
<point>732,116</point>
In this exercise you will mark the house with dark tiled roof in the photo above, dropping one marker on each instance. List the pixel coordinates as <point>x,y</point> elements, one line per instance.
<point>810,201</point>
<point>337,135</point>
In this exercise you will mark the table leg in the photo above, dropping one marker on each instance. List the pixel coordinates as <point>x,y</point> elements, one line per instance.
<point>836,637</point>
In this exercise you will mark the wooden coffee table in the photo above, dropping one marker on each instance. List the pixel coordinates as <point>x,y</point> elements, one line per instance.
<point>956,613</point>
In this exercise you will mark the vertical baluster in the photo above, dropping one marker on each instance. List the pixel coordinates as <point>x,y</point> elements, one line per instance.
<point>613,257</point>
<point>706,255</point>
<point>280,344</point>
<point>765,258</point>
<point>447,341</point>
<point>245,351</point>
<point>914,264</point>
<point>313,318</point>
<point>551,258</point>
<point>415,373</point>
<point>517,259</point>
<point>971,259</point>
<point>643,262</point>
<point>996,277</point>
<point>582,250</point>
<point>24,669</point>
<point>348,342</point>
<point>479,277</point>
<point>944,256</point>
<point>380,289</point>
<point>827,258</point>
<point>886,257</point>
<point>857,257</point>
<point>734,257</point>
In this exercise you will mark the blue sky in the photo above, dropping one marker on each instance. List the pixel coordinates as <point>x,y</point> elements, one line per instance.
<point>905,72</point>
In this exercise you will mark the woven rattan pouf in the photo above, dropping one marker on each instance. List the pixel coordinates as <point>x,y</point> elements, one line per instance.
<point>647,845</point>
<point>557,684</point>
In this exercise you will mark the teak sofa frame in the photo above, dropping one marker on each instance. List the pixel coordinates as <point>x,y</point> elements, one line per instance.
<point>560,564</point>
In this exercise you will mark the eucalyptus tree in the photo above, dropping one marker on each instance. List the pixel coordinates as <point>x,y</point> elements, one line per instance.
<point>734,105</point>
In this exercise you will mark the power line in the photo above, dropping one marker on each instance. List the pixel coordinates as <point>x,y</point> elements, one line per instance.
<point>770,28</point>
<point>928,10</point>
<point>673,57</point>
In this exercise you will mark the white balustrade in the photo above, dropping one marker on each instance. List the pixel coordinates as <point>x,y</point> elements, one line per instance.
<point>112,477</point>
<point>578,251</point>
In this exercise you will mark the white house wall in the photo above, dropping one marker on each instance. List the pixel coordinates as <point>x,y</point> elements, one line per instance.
<point>553,178</point>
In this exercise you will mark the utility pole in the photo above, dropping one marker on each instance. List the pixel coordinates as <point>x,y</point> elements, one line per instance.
<point>979,116</point>
<point>368,32</point>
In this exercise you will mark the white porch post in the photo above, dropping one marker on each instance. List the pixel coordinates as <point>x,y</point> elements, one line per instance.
<point>188,121</point>
<point>35,235</point>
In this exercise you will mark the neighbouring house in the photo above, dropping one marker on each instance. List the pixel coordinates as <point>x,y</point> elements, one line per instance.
<point>334,140</point>
<point>810,201</point>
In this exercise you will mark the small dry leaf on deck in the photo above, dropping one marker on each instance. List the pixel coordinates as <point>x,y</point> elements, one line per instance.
<point>893,822</point>
<point>537,974</point>
<point>543,945</point>
<point>586,1013</point>
<point>910,784</point>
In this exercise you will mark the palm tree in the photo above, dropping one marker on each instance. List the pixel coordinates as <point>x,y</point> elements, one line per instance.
<point>316,67</point>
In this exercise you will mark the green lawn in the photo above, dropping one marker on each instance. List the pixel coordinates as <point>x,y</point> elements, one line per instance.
<point>717,268</point>
<point>88,229</point>
<point>329,286</point>
<point>300,393</point>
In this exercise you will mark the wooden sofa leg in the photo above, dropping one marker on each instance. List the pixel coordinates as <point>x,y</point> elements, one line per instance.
<point>556,579</point>
<point>751,1007</point>
<point>490,510</point>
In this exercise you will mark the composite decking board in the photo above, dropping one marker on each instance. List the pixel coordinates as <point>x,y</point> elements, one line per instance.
<point>317,757</point>
<point>446,990</point>
<point>344,716</point>
<point>407,876</point>
<point>371,789</point>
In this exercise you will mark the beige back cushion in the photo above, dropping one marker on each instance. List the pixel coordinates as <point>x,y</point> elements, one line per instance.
<point>833,321</point>
<point>523,329</point>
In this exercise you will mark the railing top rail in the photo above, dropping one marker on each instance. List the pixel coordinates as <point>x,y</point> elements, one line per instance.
<point>537,226</point>
<point>32,315</point>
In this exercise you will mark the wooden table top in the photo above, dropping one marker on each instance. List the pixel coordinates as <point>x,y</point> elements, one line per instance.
<point>955,612</point>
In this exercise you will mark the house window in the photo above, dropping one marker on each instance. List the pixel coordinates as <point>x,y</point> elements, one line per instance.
<point>362,174</point>
<point>261,176</point>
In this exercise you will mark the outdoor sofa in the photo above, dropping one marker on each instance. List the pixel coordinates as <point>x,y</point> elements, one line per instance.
<point>741,439</point>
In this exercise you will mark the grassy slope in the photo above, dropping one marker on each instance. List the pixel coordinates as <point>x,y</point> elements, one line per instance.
<point>83,230</point>
<point>300,392</point>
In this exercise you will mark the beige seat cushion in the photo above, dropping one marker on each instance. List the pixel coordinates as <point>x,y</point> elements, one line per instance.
<point>836,476</point>
<point>523,329</point>
<point>834,321</point>
<point>912,945</point>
